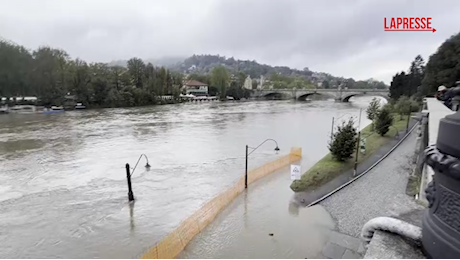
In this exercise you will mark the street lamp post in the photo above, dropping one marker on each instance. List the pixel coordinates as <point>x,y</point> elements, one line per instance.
<point>332,129</point>
<point>357,144</point>
<point>247,155</point>
<point>128,175</point>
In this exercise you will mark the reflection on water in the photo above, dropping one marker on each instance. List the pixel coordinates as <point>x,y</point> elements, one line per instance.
<point>63,191</point>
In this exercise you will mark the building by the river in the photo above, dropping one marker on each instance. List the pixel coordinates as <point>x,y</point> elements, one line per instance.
<point>195,88</point>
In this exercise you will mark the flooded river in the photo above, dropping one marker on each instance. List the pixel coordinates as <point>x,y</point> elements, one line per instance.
<point>63,191</point>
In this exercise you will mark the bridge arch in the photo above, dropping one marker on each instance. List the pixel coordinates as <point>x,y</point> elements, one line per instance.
<point>273,95</point>
<point>346,97</point>
<point>304,96</point>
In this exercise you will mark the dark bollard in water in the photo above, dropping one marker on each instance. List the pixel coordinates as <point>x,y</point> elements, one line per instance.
<point>128,177</point>
<point>441,221</point>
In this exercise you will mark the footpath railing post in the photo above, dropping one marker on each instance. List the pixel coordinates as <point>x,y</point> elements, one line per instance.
<point>128,177</point>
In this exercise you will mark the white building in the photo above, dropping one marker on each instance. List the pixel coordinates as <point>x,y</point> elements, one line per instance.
<point>195,88</point>
<point>261,82</point>
<point>247,83</point>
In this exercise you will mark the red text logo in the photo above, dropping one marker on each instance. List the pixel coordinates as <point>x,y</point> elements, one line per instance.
<point>408,24</point>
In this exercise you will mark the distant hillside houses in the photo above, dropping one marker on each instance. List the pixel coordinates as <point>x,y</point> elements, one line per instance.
<point>203,65</point>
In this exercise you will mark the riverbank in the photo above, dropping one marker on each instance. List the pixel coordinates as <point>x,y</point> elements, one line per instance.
<point>328,174</point>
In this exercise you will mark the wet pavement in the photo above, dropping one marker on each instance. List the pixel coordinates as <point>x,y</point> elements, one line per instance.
<point>63,190</point>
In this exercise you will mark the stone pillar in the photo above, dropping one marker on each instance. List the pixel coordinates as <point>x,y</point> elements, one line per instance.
<point>441,221</point>
<point>456,103</point>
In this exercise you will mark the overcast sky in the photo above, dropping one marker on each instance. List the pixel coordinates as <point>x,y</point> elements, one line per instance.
<point>341,37</point>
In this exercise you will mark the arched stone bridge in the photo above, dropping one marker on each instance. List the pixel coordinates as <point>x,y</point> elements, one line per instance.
<point>342,95</point>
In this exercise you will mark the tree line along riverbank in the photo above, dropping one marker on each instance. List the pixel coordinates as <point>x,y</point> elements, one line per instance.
<point>54,79</point>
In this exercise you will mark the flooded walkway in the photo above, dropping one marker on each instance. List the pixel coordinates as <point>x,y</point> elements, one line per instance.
<point>244,228</point>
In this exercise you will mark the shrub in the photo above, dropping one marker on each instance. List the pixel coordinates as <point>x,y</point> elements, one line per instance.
<point>383,121</point>
<point>403,106</point>
<point>415,104</point>
<point>343,141</point>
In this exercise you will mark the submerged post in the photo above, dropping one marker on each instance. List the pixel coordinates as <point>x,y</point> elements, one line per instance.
<point>246,170</point>
<point>128,177</point>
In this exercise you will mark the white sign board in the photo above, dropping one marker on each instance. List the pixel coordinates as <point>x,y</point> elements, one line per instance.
<point>295,172</point>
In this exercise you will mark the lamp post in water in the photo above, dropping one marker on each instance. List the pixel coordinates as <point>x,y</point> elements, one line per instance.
<point>441,221</point>
<point>247,155</point>
<point>129,174</point>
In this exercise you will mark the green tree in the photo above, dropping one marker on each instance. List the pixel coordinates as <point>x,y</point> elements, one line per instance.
<point>113,98</point>
<point>241,77</point>
<point>397,85</point>
<point>220,79</point>
<point>136,68</point>
<point>383,121</point>
<point>48,75</point>
<point>99,82</point>
<point>372,111</point>
<point>80,81</point>
<point>415,104</point>
<point>344,140</point>
<point>116,77</point>
<point>403,106</point>
<point>15,65</point>
<point>442,67</point>
<point>415,76</point>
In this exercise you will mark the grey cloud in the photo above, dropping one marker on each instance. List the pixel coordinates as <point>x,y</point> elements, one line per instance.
<point>345,38</point>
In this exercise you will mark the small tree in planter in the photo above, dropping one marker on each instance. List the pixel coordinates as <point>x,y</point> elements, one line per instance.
<point>343,141</point>
<point>372,111</point>
<point>383,121</point>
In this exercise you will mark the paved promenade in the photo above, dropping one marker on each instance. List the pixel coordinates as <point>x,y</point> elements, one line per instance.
<point>381,192</point>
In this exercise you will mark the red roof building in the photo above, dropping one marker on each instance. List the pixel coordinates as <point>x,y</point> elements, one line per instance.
<point>196,88</point>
